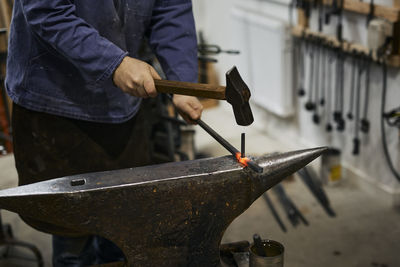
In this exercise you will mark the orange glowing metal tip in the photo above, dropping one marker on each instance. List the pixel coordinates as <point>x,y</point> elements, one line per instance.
<point>244,161</point>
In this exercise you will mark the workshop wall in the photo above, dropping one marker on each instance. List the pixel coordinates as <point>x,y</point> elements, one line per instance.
<point>216,20</point>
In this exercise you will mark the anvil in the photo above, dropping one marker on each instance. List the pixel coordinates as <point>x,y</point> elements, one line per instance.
<point>172,214</point>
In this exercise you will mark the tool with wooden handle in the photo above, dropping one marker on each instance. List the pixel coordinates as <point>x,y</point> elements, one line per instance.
<point>236,93</point>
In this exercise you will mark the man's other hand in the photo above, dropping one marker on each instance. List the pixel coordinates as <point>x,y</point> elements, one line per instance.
<point>189,108</point>
<point>136,78</point>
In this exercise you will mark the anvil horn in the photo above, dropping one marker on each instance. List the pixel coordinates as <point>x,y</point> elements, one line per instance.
<point>172,214</point>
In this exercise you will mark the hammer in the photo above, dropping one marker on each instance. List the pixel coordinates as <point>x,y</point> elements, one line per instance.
<point>236,93</point>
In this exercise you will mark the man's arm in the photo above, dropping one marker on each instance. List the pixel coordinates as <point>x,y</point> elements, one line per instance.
<point>172,36</point>
<point>55,23</point>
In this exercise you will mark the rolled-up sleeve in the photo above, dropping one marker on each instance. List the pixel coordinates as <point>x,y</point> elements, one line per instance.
<point>172,36</point>
<point>56,24</point>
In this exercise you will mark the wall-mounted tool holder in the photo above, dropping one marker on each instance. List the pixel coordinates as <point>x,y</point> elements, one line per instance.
<point>383,48</point>
<point>389,14</point>
<point>301,32</point>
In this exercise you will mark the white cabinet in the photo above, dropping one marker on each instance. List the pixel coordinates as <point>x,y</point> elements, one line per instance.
<point>265,60</point>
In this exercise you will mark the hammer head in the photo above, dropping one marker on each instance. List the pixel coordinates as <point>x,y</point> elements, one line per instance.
<point>238,94</point>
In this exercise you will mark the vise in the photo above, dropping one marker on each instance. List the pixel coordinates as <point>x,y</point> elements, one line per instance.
<point>172,214</point>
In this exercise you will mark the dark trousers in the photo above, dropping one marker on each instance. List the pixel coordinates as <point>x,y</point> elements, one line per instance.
<point>48,146</point>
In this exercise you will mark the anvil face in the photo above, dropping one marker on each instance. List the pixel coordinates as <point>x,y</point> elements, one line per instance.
<point>171,214</point>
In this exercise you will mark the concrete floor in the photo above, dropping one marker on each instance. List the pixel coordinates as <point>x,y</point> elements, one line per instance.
<point>366,231</point>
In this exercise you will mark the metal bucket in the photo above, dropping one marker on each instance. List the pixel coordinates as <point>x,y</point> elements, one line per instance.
<point>274,251</point>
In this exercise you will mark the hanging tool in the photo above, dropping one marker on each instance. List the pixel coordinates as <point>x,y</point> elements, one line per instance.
<point>371,13</point>
<point>329,93</point>
<point>209,49</point>
<point>365,124</point>
<point>203,60</point>
<point>236,93</point>
<point>333,11</point>
<point>310,179</point>
<point>320,14</point>
<point>274,212</point>
<point>384,116</point>
<point>300,66</point>
<point>350,114</point>
<point>356,139</point>
<point>339,29</point>
<point>338,114</point>
<point>292,212</point>
<point>323,80</point>
<point>393,117</point>
<point>309,104</point>
<point>315,117</point>
<point>204,52</point>
<point>341,122</point>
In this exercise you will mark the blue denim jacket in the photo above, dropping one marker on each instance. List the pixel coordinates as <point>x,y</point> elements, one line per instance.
<point>62,53</point>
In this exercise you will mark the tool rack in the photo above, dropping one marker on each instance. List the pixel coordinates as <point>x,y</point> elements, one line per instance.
<point>391,14</point>
<point>299,31</point>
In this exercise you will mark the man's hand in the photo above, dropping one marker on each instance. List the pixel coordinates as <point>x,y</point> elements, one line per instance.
<point>189,107</point>
<point>136,78</point>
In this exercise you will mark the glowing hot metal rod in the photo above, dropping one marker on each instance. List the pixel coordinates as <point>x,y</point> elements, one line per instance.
<point>172,214</point>
<point>236,153</point>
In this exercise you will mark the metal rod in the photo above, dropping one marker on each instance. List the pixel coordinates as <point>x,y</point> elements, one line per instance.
<point>252,165</point>
<point>243,144</point>
<point>352,88</point>
<point>323,88</point>
<point>367,80</point>
<point>218,138</point>
<point>300,68</point>
<point>329,93</point>
<point>365,124</point>
<point>311,80</point>
<point>356,140</point>
<point>316,78</point>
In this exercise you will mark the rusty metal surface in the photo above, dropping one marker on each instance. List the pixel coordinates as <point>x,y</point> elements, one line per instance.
<point>171,214</point>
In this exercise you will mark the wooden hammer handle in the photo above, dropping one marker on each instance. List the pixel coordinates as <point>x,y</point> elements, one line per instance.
<point>192,89</point>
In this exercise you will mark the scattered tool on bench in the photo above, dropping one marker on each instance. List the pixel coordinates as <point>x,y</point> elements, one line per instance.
<point>236,93</point>
<point>172,214</point>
